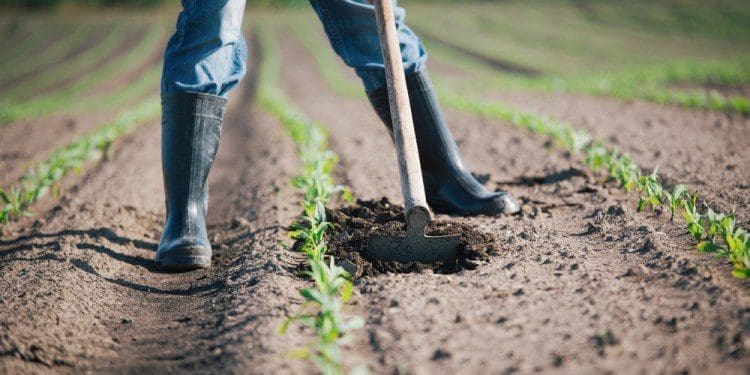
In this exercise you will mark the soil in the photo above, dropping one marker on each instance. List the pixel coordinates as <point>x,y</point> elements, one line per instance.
<point>96,303</point>
<point>354,225</point>
<point>581,282</point>
<point>576,282</point>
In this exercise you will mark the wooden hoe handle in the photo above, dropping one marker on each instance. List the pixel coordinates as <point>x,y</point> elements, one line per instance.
<point>415,203</point>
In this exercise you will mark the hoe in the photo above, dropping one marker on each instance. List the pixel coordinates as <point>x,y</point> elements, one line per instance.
<point>415,246</point>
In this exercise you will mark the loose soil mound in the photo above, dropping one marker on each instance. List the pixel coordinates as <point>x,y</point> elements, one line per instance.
<point>354,225</point>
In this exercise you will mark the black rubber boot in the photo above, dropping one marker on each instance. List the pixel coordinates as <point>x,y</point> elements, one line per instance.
<point>191,127</point>
<point>450,188</point>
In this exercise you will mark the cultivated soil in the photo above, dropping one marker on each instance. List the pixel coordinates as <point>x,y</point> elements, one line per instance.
<point>576,282</point>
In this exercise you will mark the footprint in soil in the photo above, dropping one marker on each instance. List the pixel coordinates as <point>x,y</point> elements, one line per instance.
<point>353,225</point>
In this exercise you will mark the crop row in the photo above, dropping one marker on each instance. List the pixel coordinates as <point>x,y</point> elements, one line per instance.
<point>715,232</point>
<point>46,175</point>
<point>69,97</point>
<point>322,309</point>
<point>81,63</point>
<point>52,54</point>
<point>18,53</point>
<point>561,39</point>
<point>655,83</point>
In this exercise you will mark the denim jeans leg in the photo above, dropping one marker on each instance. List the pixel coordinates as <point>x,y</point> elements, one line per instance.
<point>352,31</point>
<point>207,53</point>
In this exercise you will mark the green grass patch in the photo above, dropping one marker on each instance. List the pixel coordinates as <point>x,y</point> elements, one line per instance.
<point>598,48</point>
<point>322,309</point>
<point>654,83</point>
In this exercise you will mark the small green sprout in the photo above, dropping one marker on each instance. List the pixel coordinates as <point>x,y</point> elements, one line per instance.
<point>738,242</point>
<point>693,217</point>
<point>596,156</point>
<point>674,197</point>
<point>651,191</point>
<point>625,172</point>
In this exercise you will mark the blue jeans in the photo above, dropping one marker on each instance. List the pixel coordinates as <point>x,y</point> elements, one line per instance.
<point>207,53</point>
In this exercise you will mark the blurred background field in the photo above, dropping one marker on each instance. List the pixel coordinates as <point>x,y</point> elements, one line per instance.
<point>690,53</point>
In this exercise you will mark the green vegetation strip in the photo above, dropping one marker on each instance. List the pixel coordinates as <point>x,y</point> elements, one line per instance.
<point>322,310</point>
<point>580,54</point>
<point>656,83</point>
<point>20,53</point>
<point>78,64</point>
<point>52,54</point>
<point>45,176</point>
<point>70,96</point>
<point>715,232</point>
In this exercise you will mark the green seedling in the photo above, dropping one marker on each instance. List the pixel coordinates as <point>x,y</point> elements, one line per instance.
<point>625,172</point>
<point>718,223</point>
<point>597,156</point>
<point>652,192</point>
<point>674,197</point>
<point>738,242</point>
<point>693,218</point>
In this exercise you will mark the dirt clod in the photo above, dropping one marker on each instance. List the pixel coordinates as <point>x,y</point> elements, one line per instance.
<point>353,225</point>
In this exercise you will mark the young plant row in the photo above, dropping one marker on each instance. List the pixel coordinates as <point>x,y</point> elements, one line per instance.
<point>322,309</point>
<point>76,65</point>
<point>657,83</point>
<point>46,175</point>
<point>18,54</point>
<point>558,38</point>
<point>50,55</point>
<point>639,63</point>
<point>716,233</point>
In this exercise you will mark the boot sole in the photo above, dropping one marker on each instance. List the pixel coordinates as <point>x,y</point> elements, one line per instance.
<point>183,261</point>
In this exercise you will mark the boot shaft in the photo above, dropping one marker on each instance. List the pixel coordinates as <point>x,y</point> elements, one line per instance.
<point>191,130</point>
<point>438,152</point>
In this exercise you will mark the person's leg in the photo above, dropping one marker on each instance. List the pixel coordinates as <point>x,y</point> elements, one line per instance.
<point>352,31</point>
<point>450,187</point>
<point>207,53</point>
<point>204,60</point>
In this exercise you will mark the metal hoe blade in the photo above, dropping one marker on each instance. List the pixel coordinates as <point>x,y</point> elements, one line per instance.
<point>415,246</point>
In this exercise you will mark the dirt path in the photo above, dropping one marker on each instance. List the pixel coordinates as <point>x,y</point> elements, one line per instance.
<point>96,303</point>
<point>582,282</point>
